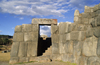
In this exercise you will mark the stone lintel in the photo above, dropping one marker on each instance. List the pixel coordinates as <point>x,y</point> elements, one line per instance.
<point>44,21</point>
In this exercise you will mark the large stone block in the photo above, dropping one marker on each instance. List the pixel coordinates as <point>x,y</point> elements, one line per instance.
<point>96,7</point>
<point>96,31</point>
<point>82,35</point>
<point>61,47</point>
<point>77,48</point>
<point>68,58</point>
<point>86,15</point>
<point>76,13</point>
<point>68,47</point>
<point>54,29</point>
<point>35,37</point>
<point>55,38</point>
<point>28,36</point>
<point>22,49</point>
<point>14,49</point>
<point>56,57</point>
<point>97,20</point>
<point>26,27</point>
<point>71,27</point>
<point>67,26</point>
<point>55,48</point>
<point>32,49</point>
<point>13,60</point>
<point>68,36</point>
<point>93,61</point>
<point>18,28</point>
<point>85,21</point>
<point>77,19</point>
<point>23,59</point>
<point>90,46</point>
<point>74,35</point>
<point>44,21</point>
<point>35,27</point>
<point>89,32</point>
<point>62,27</point>
<point>18,37</point>
<point>87,9</point>
<point>62,38</point>
<point>98,47</point>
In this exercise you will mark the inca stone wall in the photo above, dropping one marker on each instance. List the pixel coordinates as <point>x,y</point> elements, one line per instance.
<point>77,42</point>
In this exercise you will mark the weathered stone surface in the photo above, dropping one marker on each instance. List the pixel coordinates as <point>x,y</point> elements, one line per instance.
<point>67,26</point>
<point>86,15</point>
<point>55,48</point>
<point>26,27</point>
<point>68,58</point>
<point>23,59</point>
<point>32,49</point>
<point>97,32</point>
<point>93,61</point>
<point>97,20</point>
<point>54,29</point>
<point>14,49</point>
<point>82,35</point>
<point>74,35</point>
<point>35,27</point>
<point>68,36</point>
<point>89,32</point>
<point>44,21</point>
<point>83,60</point>
<point>76,13</point>
<point>71,27</point>
<point>85,21</point>
<point>13,60</point>
<point>90,46</point>
<point>98,47</point>
<point>28,36</point>
<point>41,59</point>
<point>62,26</point>
<point>91,20</point>
<point>56,57</point>
<point>68,47</point>
<point>77,19</point>
<point>55,38</point>
<point>22,49</point>
<point>61,47</point>
<point>18,28</point>
<point>87,9</point>
<point>18,37</point>
<point>62,38</point>
<point>77,49</point>
<point>96,7</point>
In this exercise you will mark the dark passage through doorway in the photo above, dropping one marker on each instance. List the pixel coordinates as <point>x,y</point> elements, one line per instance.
<point>44,39</point>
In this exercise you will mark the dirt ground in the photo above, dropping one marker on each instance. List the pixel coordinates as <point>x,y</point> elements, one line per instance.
<point>38,63</point>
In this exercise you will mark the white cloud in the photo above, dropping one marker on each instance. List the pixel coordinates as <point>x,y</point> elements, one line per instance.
<point>13,28</point>
<point>45,30</point>
<point>42,7</point>
<point>0,31</point>
<point>21,18</point>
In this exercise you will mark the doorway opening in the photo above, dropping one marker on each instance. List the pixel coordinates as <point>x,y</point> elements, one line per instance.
<point>44,39</point>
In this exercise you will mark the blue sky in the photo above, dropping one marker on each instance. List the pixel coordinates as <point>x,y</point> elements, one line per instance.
<point>18,12</point>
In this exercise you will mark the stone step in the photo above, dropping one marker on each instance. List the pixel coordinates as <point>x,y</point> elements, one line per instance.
<point>48,51</point>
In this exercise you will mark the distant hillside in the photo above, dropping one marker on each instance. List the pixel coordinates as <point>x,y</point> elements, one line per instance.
<point>6,36</point>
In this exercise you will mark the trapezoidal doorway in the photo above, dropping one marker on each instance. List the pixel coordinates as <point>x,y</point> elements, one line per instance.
<point>44,40</point>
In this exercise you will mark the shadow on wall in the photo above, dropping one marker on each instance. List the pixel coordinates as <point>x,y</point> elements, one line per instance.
<point>43,45</point>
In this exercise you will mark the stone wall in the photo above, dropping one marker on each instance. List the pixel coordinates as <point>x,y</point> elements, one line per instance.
<point>77,42</point>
